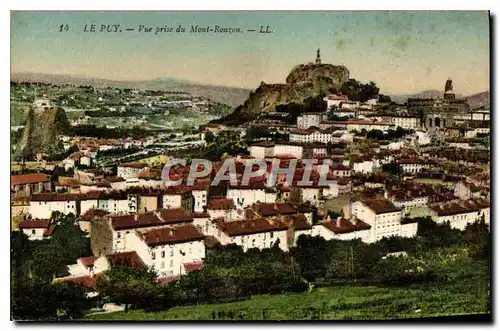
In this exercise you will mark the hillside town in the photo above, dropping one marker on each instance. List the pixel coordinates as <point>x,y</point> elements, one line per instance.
<point>389,167</point>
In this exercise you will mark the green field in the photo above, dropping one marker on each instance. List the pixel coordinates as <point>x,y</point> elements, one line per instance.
<point>465,294</point>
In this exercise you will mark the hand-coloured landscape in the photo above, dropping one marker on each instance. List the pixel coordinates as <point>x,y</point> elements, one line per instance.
<point>271,166</point>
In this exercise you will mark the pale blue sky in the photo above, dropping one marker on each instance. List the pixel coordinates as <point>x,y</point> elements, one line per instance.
<point>402,51</point>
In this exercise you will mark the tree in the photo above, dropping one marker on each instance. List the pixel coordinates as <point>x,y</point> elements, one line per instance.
<point>357,91</point>
<point>393,168</point>
<point>311,253</point>
<point>209,137</point>
<point>384,98</point>
<point>255,132</point>
<point>68,234</point>
<point>48,262</point>
<point>129,285</point>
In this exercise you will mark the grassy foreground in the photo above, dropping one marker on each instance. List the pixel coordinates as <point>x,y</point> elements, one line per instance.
<point>468,294</point>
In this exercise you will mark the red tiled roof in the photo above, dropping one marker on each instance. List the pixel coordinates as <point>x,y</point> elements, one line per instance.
<point>381,206</point>
<point>50,230</point>
<point>264,143</point>
<point>178,190</point>
<point>56,197</point>
<point>34,224</point>
<point>130,258</point>
<point>193,266</point>
<point>221,204</point>
<point>175,215</point>
<point>171,235</point>
<point>272,209</point>
<point>250,226</point>
<point>159,217</point>
<point>88,282</point>
<point>93,214</point>
<point>29,179</point>
<point>113,179</point>
<point>298,222</point>
<point>345,226</point>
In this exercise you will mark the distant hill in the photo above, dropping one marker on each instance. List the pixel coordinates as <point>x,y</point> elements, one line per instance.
<point>475,100</point>
<point>232,96</point>
<point>479,99</point>
<point>435,94</point>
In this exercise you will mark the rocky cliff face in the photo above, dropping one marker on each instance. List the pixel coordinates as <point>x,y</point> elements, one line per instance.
<point>43,125</point>
<point>303,81</point>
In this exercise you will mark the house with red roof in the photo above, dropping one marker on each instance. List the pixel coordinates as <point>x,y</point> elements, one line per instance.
<point>342,229</point>
<point>171,250</point>
<point>37,229</point>
<point>27,184</point>
<point>109,234</point>
<point>380,213</point>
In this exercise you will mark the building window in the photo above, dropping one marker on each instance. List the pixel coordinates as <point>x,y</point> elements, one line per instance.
<point>171,253</point>
<point>118,235</point>
<point>162,265</point>
<point>162,254</point>
<point>33,231</point>
<point>171,263</point>
<point>153,256</point>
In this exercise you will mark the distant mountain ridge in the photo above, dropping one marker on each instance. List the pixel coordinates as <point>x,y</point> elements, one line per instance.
<point>232,96</point>
<point>475,100</point>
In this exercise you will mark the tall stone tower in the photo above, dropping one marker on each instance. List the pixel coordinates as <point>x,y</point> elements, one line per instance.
<point>318,57</point>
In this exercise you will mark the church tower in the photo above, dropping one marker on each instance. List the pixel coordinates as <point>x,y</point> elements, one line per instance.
<point>318,57</point>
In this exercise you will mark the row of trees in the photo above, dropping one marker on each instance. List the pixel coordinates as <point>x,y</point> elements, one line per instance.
<point>390,135</point>
<point>230,274</point>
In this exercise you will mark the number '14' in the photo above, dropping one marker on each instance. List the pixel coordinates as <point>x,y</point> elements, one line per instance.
<point>63,27</point>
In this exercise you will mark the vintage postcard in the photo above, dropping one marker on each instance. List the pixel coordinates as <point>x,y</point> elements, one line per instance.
<point>250,165</point>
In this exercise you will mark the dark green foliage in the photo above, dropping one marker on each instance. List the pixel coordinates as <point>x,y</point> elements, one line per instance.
<point>226,142</point>
<point>357,91</point>
<point>115,133</point>
<point>129,285</point>
<point>390,135</point>
<point>45,301</point>
<point>256,132</point>
<point>209,137</point>
<point>393,168</point>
